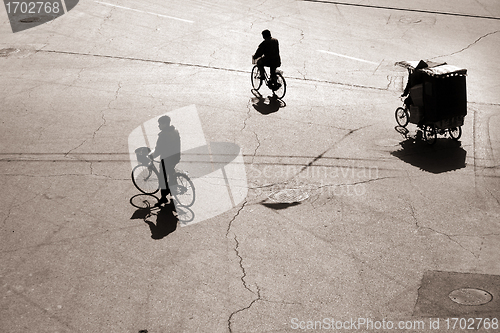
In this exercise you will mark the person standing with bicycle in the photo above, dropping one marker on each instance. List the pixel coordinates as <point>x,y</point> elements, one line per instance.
<point>269,54</point>
<point>168,147</point>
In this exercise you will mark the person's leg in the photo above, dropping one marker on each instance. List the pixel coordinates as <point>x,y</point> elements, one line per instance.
<point>273,72</point>
<point>260,65</point>
<point>164,189</point>
<point>172,180</point>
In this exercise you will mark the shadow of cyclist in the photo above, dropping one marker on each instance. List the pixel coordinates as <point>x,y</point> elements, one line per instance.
<point>167,216</point>
<point>267,105</point>
<point>166,222</point>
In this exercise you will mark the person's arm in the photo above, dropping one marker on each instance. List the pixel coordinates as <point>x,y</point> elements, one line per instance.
<point>260,51</point>
<point>407,89</point>
<point>156,152</point>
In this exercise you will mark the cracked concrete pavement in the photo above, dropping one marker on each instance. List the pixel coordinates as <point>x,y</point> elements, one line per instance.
<point>380,213</point>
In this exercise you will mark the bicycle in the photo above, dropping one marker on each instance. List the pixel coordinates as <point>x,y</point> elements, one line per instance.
<point>145,177</point>
<point>429,129</point>
<point>277,86</point>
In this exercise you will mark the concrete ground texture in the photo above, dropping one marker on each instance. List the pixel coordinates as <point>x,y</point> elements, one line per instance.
<point>384,219</point>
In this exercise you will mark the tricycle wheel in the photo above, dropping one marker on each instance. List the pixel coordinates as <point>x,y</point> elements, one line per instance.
<point>455,132</point>
<point>430,134</point>
<point>402,117</point>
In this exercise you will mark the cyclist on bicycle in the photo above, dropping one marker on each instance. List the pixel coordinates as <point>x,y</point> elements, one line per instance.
<point>168,147</point>
<point>269,54</point>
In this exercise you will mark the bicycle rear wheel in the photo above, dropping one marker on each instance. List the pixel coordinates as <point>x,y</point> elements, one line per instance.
<point>183,192</point>
<point>430,134</point>
<point>455,132</point>
<point>281,84</point>
<point>145,180</point>
<point>256,80</point>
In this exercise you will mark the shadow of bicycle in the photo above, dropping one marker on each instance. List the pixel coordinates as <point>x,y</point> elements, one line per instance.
<point>162,220</point>
<point>266,105</point>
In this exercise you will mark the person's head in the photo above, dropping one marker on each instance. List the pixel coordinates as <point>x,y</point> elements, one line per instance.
<point>266,34</point>
<point>163,122</point>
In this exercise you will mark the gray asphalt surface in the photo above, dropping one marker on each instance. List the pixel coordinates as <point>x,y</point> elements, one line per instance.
<point>380,212</point>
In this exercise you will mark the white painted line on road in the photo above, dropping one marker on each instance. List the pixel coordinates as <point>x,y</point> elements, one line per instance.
<point>141,11</point>
<point>352,58</point>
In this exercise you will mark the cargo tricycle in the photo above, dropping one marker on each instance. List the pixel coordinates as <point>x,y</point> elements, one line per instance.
<point>435,99</point>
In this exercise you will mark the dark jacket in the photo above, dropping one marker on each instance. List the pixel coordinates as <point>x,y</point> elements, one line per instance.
<point>269,48</point>
<point>168,145</point>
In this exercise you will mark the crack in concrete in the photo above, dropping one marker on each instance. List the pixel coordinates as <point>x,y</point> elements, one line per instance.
<point>245,284</point>
<point>73,149</point>
<point>357,183</point>
<point>468,46</point>
<point>104,121</point>
<point>102,125</point>
<point>116,96</point>
<point>254,133</point>
<point>234,217</point>
<point>9,211</point>
<point>248,115</point>
<point>104,20</point>
<point>256,148</point>
<point>230,319</point>
<point>480,248</point>
<point>244,275</point>
<point>493,195</point>
<point>243,270</point>
<point>213,57</point>
<point>305,71</point>
<point>413,214</point>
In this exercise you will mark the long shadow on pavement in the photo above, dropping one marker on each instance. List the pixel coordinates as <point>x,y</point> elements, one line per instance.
<point>166,215</point>
<point>445,155</point>
<point>266,105</point>
<point>279,205</point>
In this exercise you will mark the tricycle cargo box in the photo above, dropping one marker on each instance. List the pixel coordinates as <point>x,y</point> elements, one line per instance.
<point>438,88</point>
<point>444,97</point>
<point>416,114</point>
<point>417,94</point>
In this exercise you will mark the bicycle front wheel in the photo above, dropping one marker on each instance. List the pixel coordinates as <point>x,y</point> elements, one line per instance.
<point>281,86</point>
<point>145,180</point>
<point>402,117</point>
<point>144,201</point>
<point>256,80</point>
<point>183,192</point>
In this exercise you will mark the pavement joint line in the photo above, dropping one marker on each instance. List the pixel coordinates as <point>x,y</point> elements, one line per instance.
<point>404,9</point>
<point>145,12</point>
<point>209,67</point>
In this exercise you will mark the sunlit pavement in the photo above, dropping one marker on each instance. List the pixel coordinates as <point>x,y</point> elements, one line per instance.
<point>378,213</point>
